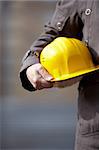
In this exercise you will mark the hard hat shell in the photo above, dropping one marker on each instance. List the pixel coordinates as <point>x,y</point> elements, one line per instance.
<point>66,58</point>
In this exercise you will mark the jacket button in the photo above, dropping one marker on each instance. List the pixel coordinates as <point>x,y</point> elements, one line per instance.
<point>86,42</point>
<point>88,12</point>
<point>59,25</point>
<point>36,54</point>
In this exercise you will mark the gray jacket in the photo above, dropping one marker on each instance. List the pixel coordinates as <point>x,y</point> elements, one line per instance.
<point>72,18</point>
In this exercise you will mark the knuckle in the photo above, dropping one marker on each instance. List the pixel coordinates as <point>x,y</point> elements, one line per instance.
<point>35,81</point>
<point>41,69</point>
<point>27,71</point>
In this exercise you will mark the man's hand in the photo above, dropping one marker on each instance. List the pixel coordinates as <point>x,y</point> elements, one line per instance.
<point>39,77</point>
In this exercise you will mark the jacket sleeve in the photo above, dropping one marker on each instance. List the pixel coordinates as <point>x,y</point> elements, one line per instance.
<point>66,21</point>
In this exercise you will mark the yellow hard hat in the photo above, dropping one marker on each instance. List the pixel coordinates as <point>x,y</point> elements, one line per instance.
<point>66,58</point>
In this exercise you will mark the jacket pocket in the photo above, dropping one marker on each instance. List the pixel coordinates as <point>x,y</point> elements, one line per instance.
<point>88,110</point>
<point>67,20</point>
<point>89,127</point>
<point>58,19</point>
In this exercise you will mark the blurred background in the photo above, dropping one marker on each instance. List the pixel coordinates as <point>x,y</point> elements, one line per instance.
<point>41,120</point>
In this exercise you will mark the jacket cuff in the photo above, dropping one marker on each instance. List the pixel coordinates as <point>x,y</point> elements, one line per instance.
<point>25,82</point>
<point>27,62</point>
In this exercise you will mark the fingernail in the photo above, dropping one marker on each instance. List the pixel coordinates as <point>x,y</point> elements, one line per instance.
<point>49,78</point>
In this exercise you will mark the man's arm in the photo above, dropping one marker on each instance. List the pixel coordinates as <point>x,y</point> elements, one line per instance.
<point>65,22</point>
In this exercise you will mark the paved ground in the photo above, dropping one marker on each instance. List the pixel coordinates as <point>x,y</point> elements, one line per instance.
<point>37,127</point>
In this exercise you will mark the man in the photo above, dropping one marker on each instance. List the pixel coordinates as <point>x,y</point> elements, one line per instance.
<point>77,19</point>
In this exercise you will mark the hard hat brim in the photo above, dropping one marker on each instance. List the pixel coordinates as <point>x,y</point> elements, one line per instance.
<point>76,74</point>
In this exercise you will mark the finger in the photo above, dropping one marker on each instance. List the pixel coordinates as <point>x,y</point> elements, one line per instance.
<point>41,84</point>
<point>36,77</point>
<point>44,73</point>
<point>38,82</point>
<point>46,84</point>
<point>33,77</point>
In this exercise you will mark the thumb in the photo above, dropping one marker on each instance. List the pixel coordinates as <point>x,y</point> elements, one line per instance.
<point>44,73</point>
